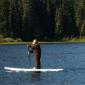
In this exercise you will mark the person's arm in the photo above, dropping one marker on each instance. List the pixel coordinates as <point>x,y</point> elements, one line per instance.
<point>30,48</point>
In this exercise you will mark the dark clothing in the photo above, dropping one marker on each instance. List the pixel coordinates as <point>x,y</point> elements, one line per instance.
<point>37,52</point>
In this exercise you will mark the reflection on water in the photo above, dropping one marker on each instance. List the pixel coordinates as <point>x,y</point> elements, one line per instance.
<point>36,77</point>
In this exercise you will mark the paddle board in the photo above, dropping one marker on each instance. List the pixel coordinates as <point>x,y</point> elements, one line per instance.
<point>11,69</point>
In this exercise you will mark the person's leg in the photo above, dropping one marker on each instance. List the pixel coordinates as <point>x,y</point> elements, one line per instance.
<point>38,63</point>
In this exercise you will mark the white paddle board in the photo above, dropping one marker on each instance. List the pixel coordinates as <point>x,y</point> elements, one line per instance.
<point>11,69</point>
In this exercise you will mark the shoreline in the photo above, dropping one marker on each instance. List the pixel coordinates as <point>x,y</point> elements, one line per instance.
<point>45,42</point>
<point>64,40</point>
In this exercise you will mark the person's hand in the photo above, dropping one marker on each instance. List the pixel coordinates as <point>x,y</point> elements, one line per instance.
<point>31,51</point>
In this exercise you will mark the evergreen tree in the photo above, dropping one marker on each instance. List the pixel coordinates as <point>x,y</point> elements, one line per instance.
<point>80,15</point>
<point>50,18</point>
<point>42,19</point>
<point>27,31</point>
<point>4,12</point>
<point>15,18</point>
<point>59,19</point>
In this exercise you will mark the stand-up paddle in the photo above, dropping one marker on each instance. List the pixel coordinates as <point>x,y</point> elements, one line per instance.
<point>28,52</point>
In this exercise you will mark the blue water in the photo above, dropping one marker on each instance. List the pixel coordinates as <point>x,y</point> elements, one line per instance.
<point>70,57</point>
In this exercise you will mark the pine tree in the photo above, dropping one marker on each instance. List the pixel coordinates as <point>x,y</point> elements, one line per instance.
<point>15,18</point>
<point>4,12</point>
<point>80,15</point>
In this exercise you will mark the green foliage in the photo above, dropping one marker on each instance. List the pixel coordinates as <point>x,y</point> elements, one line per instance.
<point>4,6</point>
<point>80,16</point>
<point>43,19</point>
<point>82,32</point>
<point>9,40</point>
<point>58,21</point>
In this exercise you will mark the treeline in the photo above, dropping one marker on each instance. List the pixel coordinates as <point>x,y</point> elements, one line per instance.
<point>43,19</point>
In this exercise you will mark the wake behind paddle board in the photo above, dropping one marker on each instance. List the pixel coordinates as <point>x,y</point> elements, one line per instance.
<point>11,69</point>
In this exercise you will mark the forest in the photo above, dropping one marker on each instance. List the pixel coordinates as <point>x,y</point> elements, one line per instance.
<point>42,19</point>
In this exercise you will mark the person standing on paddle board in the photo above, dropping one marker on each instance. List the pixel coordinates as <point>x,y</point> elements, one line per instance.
<point>36,49</point>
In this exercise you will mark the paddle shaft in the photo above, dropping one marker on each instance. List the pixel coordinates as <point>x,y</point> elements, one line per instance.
<point>28,51</point>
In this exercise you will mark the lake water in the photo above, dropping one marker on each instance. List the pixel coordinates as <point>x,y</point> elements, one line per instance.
<point>70,57</point>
